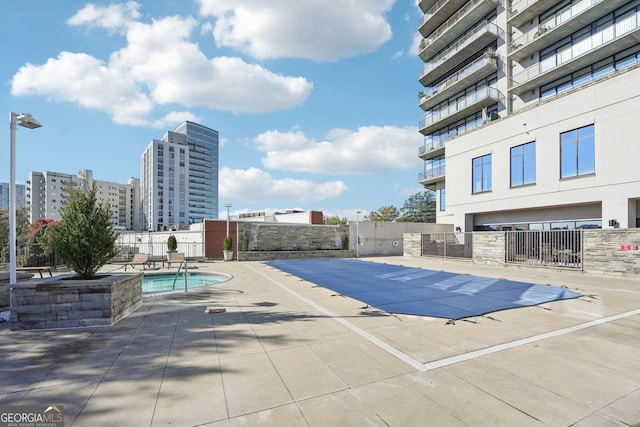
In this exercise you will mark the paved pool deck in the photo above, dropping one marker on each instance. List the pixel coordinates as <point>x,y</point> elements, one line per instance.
<point>285,352</point>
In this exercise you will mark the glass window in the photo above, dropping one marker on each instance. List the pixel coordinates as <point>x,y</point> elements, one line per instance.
<point>523,164</point>
<point>443,204</point>
<point>577,152</point>
<point>481,174</point>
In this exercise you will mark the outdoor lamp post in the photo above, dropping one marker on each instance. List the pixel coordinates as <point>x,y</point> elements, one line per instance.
<point>25,120</point>
<point>228,205</point>
<point>357,234</point>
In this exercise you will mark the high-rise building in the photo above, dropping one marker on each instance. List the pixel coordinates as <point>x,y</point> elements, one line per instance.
<point>532,106</point>
<point>48,194</point>
<point>179,178</point>
<point>5,192</point>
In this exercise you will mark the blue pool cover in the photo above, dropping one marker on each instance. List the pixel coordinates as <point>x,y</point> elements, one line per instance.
<point>406,290</point>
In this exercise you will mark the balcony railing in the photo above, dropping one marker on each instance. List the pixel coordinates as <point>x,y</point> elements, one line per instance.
<point>432,10</point>
<point>556,20</point>
<point>432,173</point>
<point>467,101</point>
<point>433,144</point>
<point>449,23</point>
<point>519,6</point>
<point>474,34</point>
<point>579,49</point>
<point>489,58</point>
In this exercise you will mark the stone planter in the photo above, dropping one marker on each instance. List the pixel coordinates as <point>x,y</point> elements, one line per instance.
<point>52,303</point>
<point>227,255</point>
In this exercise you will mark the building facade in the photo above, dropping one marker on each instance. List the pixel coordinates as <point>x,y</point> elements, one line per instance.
<point>530,113</point>
<point>21,195</point>
<point>179,178</point>
<point>48,194</point>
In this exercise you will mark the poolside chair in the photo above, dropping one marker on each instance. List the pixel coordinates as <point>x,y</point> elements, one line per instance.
<point>174,258</point>
<point>138,259</point>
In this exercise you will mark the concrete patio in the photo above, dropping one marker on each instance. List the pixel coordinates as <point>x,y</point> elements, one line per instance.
<point>286,352</point>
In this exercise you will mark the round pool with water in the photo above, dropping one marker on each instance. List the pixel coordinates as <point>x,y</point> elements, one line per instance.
<point>168,282</point>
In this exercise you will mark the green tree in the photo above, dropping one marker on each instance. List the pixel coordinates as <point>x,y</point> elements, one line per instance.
<point>384,214</point>
<point>335,220</point>
<point>421,207</point>
<point>22,229</point>
<point>84,239</point>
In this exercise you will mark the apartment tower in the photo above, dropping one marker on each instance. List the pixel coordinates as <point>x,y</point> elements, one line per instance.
<point>531,112</point>
<point>48,194</point>
<point>179,178</point>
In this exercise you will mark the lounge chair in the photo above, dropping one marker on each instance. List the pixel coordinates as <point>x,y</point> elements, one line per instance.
<point>174,258</point>
<point>138,259</point>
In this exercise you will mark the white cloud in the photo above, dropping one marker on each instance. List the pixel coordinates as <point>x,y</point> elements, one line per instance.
<point>159,66</point>
<point>320,30</point>
<point>113,17</point>
<point>370,149</point>
<point>255,185</point>
<point>174,117</point>
<point>81,78</point>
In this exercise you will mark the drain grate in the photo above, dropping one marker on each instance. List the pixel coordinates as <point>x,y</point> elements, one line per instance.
<point>213,310</point>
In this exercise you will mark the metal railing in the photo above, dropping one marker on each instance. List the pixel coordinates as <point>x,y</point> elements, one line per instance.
<point>562,16</point>
<point>461,104</point>
<point>448,245</point>
<point>545,248</point>
<point>478,31</point>
<point>34,255</point>
<point>583,47</point>
<point>489,58</point>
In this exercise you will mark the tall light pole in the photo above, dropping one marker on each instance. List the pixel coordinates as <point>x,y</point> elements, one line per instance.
<point>25,120</point>
<point>228,205</point>
<point>357,234</point>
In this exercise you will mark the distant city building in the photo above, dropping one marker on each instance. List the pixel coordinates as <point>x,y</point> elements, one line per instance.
<point>531,113</point>
<point>179,178</point>
<point>21,198</point>
<point>48,194</point>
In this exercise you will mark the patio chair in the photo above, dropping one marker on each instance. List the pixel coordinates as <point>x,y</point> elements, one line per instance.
<point>138,259</point>
<point>174,258</point>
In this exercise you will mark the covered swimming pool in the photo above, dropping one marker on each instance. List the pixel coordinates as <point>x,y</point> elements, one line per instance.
<point>417,291</point>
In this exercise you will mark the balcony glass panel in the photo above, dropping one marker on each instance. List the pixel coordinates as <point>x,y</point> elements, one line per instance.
<point>619,29</point>
<point>463,41</point>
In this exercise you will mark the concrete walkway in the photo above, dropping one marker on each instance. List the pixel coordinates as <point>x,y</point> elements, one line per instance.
<point>289,353</point>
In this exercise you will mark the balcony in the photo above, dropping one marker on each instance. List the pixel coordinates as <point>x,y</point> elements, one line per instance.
<point>463,107</point>
<point>430,177</point>
<point>438,13</point>
<point>454,26</point>
<point>623,34</point>
<point>524,11</point>
<point>425,5</point>
<point>480,36</point>
<point>431,149</point>
<point>473,72</point>
<point>560,25</point>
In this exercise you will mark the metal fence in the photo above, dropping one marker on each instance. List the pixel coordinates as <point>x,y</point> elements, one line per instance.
<point>448,245</point>
<point>555,248</point>
<point>29,256</point>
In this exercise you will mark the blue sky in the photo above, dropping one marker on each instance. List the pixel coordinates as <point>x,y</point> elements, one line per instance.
<point>315,101</point>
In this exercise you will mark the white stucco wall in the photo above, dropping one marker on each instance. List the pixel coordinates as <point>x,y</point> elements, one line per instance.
<point>612,105</point>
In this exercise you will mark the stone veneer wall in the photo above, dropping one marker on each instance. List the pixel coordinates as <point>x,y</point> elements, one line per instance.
<point>412,244</point>
<point>289,237</point>
<point>612,252</point>
<point>488,247</point>
<point>52,303</point>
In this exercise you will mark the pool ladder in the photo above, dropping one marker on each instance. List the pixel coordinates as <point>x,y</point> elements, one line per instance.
<point>186,275</point>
